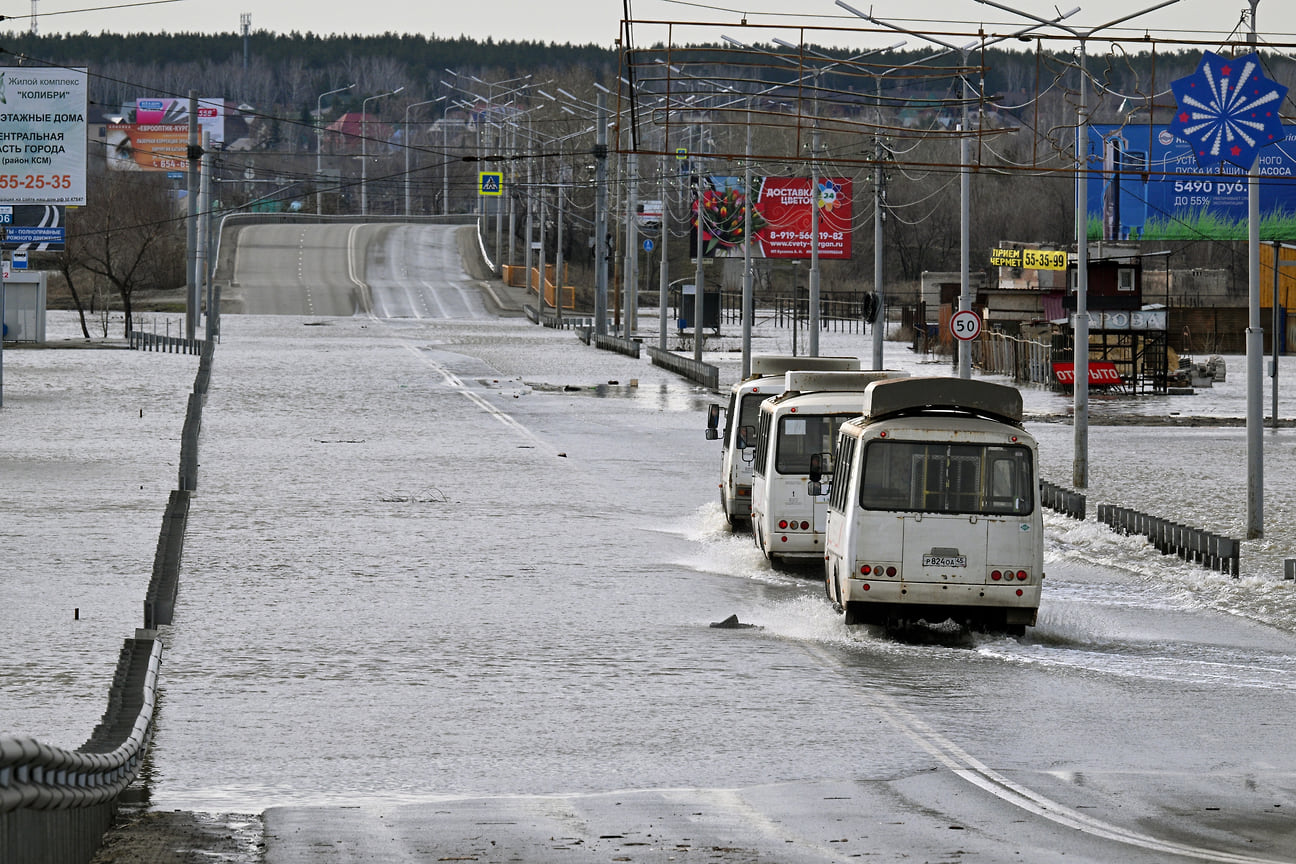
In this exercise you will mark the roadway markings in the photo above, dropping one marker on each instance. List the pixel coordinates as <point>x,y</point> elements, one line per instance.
<point>963,764</point>
<point>365,299</point>
<point>454,383</point>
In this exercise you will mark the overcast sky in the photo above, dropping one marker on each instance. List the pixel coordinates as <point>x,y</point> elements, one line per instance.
<point>599,21</point>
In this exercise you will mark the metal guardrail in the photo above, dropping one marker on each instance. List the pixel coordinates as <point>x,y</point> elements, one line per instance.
<point>1063,500</point>
<point>164,584</point>
<point>1172,538</point>
<point>628,347</point>
<point>142,341</point>
<point>56,804</point>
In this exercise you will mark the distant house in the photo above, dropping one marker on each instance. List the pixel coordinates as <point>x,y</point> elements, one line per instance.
<point>345,134</point>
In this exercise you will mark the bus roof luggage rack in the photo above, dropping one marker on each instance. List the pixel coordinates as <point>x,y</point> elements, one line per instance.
<point>776,364</point>
<point>802,381</point>
<point>898,396</point>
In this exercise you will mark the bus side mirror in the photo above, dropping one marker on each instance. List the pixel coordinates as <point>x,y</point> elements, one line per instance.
<point>713,417</point>
<point>816,470</point>
<point>815,488</point>
<point>712,434</point>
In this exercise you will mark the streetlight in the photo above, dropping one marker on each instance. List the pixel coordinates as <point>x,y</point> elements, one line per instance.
<point>364,148</point>
<point>965,176</point>
<point>409,147</point>
<point>319,141</point>
<point>1080,422</point>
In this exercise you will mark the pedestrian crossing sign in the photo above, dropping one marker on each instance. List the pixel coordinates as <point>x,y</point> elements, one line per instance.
<point>490,182</point>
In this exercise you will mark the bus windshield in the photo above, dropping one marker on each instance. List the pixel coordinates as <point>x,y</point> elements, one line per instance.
<point>940,477</point>
<point>803,436</point>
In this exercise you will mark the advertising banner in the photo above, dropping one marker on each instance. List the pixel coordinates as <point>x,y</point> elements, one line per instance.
<point>132,147</point>
<point>43,135</point>
<point>781,217</point>
<point>172,112</point>
<point>32,226</point>
<point>1101,373</point>
<point>1146,183</point>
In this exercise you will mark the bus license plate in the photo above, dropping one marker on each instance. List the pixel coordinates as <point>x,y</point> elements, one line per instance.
<point>944,561</point>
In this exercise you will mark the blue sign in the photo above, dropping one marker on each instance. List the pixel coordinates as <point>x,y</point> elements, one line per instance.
<point>28,234</point>
<point>648,244</point>
<point>490,183</point>
<point>1146,183</point>
<point>1228,110</point>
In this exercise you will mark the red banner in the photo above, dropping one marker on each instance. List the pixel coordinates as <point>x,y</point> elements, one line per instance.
<point>785,204</point>
<point>1101,373</point>
<point>781,217</point>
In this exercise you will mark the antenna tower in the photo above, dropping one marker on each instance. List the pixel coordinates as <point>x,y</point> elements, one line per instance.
<point>33,27</point>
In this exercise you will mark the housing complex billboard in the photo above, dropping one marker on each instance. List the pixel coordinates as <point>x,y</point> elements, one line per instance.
<point>781,217</point>
<point>43,135</point>
<point>1145,183</point>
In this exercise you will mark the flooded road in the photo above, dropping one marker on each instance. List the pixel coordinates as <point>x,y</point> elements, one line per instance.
<point>447,593</point>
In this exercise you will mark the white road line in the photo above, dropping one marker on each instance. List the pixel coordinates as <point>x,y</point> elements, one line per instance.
<point>366,299</point>
<point>455,383</point>
<point>972,770</point>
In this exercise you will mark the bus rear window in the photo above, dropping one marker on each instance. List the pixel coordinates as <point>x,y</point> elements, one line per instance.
<point>939,477</point>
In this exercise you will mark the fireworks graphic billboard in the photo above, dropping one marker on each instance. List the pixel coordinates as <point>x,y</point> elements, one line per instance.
<point>1228,110</point>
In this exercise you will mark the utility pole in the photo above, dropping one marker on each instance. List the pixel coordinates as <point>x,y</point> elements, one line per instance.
<point>748,301</point>
<point>663,267</point>
<point>815,139</point>
<point>1255,343</point>
<point>194,154</point>
<point>698,285</point>
<point>600,216</point>
<point>630,278</point>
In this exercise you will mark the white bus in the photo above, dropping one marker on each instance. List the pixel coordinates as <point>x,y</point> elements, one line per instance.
<point>795,438</point>
<point>934,510</point>
<point>766,380</point>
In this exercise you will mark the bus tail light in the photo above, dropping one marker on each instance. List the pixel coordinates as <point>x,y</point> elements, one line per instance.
<point>783,524</point>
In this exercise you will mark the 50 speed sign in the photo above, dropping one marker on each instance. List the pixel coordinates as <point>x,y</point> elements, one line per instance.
<point>965,325</point>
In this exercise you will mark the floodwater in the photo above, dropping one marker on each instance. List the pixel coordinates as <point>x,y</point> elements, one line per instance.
<point>474,557</point>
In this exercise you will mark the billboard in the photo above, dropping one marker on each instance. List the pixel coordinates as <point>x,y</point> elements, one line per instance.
<point>42,135</point>
<point>135,147</point>
<point>174,112</point>
<point>1145,183</point>
<point>781,217</point>
<point>32,227</point>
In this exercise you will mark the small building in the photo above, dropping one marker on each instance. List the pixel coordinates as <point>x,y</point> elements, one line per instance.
<point>347,133</point>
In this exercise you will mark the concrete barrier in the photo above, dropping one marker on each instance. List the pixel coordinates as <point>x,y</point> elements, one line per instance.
<point>700,373</point>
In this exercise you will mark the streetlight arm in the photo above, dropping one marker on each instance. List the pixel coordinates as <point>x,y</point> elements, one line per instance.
<point>1082,36</point>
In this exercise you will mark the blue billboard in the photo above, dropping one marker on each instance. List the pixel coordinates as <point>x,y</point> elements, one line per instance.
<point>1145,184</point>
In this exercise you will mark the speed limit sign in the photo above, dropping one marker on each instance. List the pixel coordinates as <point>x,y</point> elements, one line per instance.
<point>965,325</point>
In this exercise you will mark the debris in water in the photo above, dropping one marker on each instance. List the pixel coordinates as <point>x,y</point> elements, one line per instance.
<point>731,623</point>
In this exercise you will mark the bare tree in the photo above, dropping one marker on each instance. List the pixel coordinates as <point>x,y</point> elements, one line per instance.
<point>130,235</point>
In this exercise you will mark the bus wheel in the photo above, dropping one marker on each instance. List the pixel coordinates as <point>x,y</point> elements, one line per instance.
<point>853,615</point>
